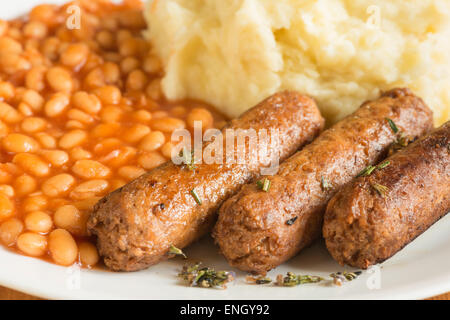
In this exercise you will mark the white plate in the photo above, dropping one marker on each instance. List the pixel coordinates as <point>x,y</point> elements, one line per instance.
<point>421,270</point>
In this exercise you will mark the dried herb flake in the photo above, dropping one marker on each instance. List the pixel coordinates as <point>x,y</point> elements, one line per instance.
<point>205,277</point>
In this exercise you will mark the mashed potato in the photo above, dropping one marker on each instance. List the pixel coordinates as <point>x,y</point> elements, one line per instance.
<point>234,53</point>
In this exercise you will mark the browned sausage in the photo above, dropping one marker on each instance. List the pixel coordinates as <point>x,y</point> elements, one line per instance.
<point>258,230</point>
<point>136,224</point>
<point>375,216</point>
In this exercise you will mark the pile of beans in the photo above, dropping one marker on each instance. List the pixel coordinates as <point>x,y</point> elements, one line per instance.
<point>81,114</point>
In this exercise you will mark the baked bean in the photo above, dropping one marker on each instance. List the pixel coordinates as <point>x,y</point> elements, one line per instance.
<point>90,169</point>
<point>141,116</point>
<point>160,114</point>
<point>152,64</point>
<point>35,29</point>
<point>111,72</point>
<point>50,48</point>
<point>128,47</point>
<point>167,149</point>
<point>32,244</point>
<point>94,79</point>
<point>32,164</point>
<point>88,254</point>
<point>33,124</point>
<point>131,172</point>
<point>10,230</point>
<point>79,153</point>
<point>178,111</point>
<point>89,189</point>
<point>74,124</point>
<point>16,142</point>
<point>167,124</point>
<point>62,247</point>
<point>74,55</point>
<point>4,130</point>
<point>81,116</point>
<point>25,184</point>
<point>153,90</point>
<point>57,185</point>
<point>44,13</point>
<point>46,140</point>
<point>70,218</point>
<point>151,160</point>
<point>34,78</point>
<point>72,139</point>
<point>104,130</point>
<point>11,63</point>
<point>59,79</point>
<point>117,183</point>
<point>3,27</point>
<point>109,94</point>
<point>6,207</point>
<point>6,90</point>
<point>129,64</point>
<point>111,114</point>
<point>56,157</point>
<point>153,141</point>
<point>10,45</point>
<point>106,39</point>
<point>107,145</point>
<point>9,114</point>
<point>89,103</point>
<point>120,156</point>
<point>87,204</point>
<point>136,80</point>
<point>38,221</point>
<point>201,115</point>
<point>56,104</point>
<point>35,203</point>
<point>135,133</point>
<point>25,109</point>
<point>7,190</point>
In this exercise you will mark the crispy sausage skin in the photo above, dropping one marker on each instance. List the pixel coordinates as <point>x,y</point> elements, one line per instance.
<point>256,230</point>
<point>136,224</point>
<point>363,227</point>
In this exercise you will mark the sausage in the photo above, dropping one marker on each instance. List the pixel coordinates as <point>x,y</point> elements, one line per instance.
<point>138,223</point>
<point>364,226</point>
<point>257,231</point>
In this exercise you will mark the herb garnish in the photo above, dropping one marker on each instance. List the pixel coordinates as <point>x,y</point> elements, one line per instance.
<point>291,279</point>
<point>205,277</point>
<point>392,125</point>
<point>196,197</point>
<point>264,185</point>
<point>380,189</point>
<point>366,171</point>
<point>291,221</point>
<point>384,164</point>
<point>188,159</point>
<point>258,280</point>
<point>339,277</point>
<point>324,183</point>
<point>176,252</point>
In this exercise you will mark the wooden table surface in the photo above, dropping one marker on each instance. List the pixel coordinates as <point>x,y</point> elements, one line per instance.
<point>8,294</point>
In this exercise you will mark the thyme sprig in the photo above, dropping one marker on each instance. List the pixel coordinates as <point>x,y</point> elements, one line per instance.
<point>205,277</point>
<point>324,184</point>
<point>264,184</point>
<point>340,277</point>
<point>392,125</point>
<point>380,189</point>
<point>291,279</point>
<point>176,252</point>
<point>367,171</point>
<point>258,280</point>
<point>196,197</point>
<point>188,159</point>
